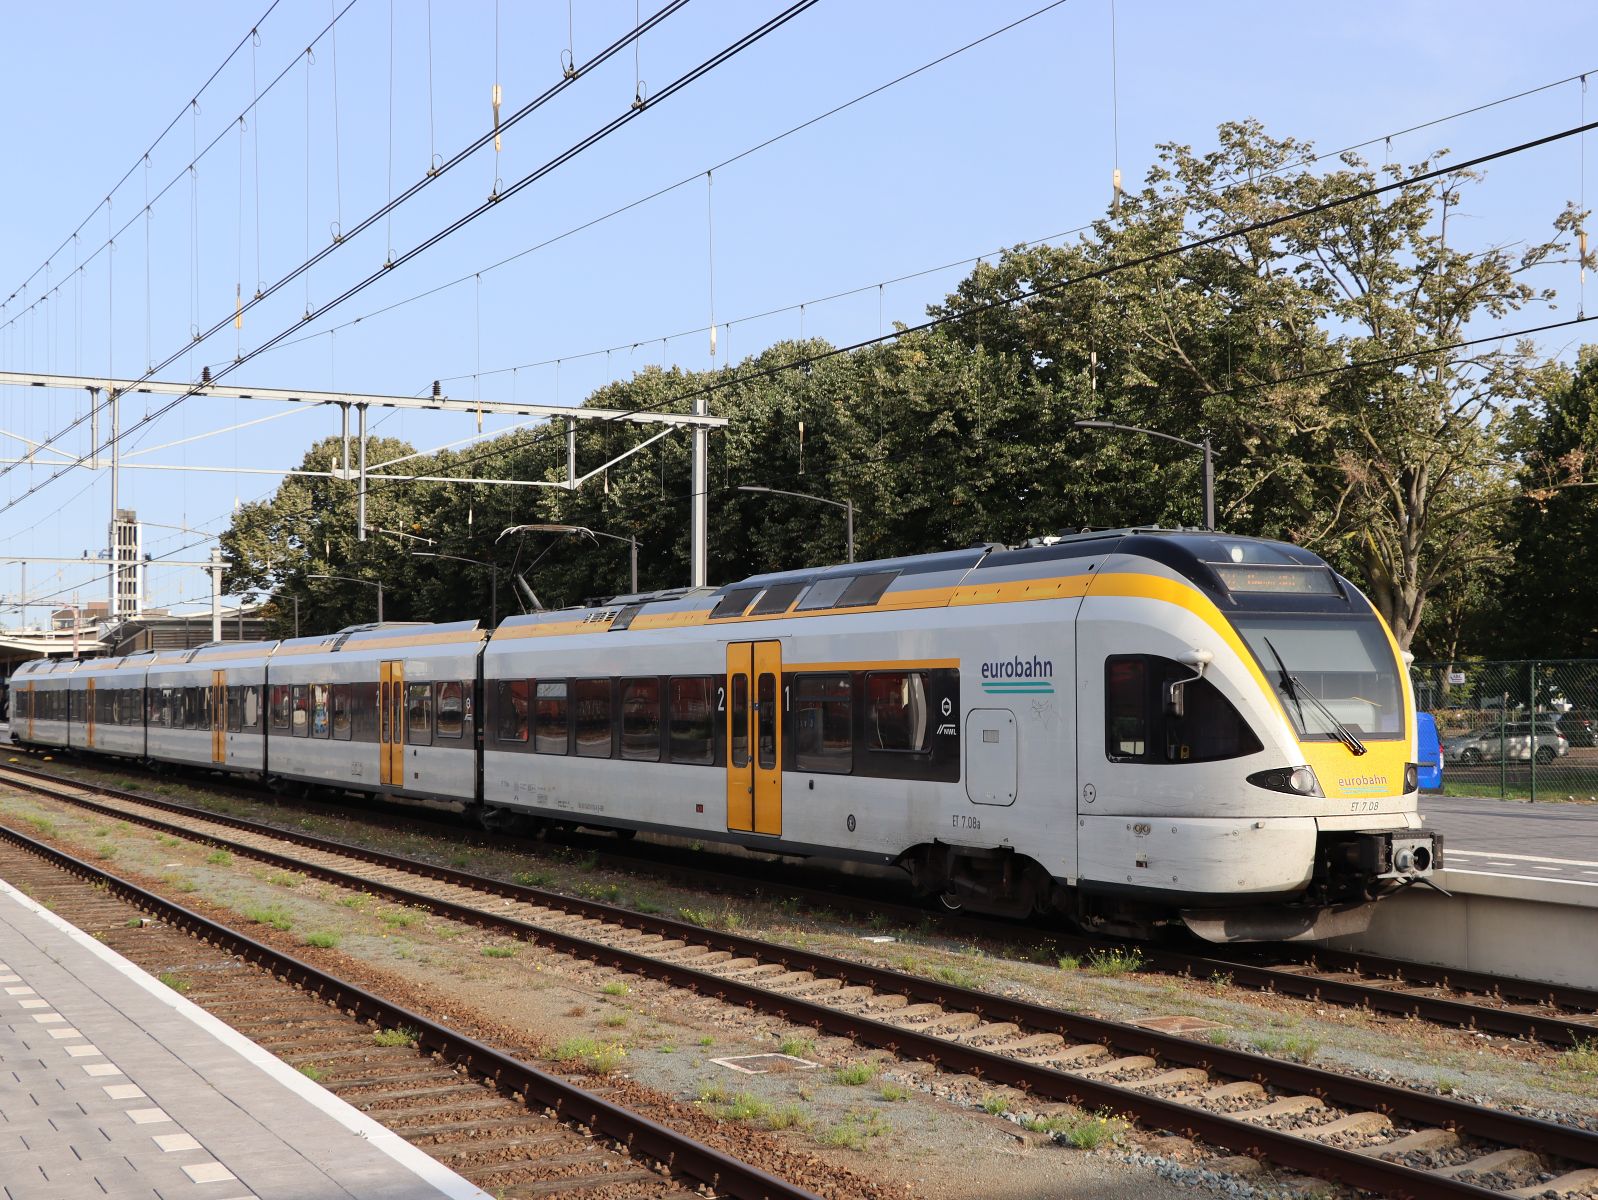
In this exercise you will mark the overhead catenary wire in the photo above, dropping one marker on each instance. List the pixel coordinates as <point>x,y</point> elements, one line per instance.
<point>730,379</point>
<point>159,138</point>
<point>313,258</point>
<point>722,56</point>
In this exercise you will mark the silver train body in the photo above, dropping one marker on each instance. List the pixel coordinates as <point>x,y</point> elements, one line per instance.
<point>1126,728</point>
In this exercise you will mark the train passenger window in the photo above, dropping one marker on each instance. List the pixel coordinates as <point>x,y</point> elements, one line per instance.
<point>738,722</point>
<point>692,719</point>
<point>281,706</point>
<point>1142,726</point>
<point>364,703</point>
<point>342,725</point>
<point>553,719</point>
<point>235,708</point>
<point>250,707</point>
<point>824,593</point>
<point>451,710</point>
<point>510,710</point>
<point>1126,708</point>
<point>778,598</point>
<point>766,721</point>
<point>733,603</point>
<point>640,719</point>
<point>419,714</point>
<point>321,712</point>
<point>299,713</point>
<point>591,703</point>
<point>866,590</point>
<point>823,723</point>
<point>896,711</point>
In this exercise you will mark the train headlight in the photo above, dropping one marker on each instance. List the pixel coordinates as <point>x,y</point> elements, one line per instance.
<point>1295,781</point>
<point>1411,777</point>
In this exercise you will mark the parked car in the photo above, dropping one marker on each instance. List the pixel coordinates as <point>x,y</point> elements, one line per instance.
<point>1580,726</point>
<point>1432,751</point>
<point>1513,742</point>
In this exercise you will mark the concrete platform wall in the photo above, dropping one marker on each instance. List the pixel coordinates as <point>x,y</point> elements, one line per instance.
<point>1531,928</point>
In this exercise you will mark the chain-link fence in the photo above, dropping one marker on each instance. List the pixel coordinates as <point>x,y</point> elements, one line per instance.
<point>1521,730</point>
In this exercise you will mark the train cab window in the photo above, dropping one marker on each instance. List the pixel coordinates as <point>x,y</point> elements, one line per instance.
<point>321,711</point>
<point>419,714</point>
<point>692,719</point>
<point>823,723</point>
<point>510,710</point>
<point>766,721</point>
<point>738,722</point>
<point>591,704</point>
<point>640,719</point>
<point>896,711</point>
<point>1144,722</point>
<point>451,702</point>
<point>553,718</point>
<point>343,724</point>
<point>1126,708</point>
<point>282,707</point>
<point>299,713</point>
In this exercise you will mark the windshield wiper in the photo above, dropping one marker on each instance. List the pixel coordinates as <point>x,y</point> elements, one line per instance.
<point>1298,693</point>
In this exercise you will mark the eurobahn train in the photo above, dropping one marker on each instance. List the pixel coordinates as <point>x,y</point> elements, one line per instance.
<point>1130,728</point>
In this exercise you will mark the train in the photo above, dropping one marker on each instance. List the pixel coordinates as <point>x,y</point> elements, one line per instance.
<point>1135,730</point>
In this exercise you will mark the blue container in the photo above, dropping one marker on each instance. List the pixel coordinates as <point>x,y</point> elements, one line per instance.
<point>1431,753</point>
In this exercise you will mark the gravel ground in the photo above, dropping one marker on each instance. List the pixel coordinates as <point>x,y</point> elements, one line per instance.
<point>941,1139</point>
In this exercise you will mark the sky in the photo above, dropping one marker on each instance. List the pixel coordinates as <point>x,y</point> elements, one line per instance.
<point>1012,140</point>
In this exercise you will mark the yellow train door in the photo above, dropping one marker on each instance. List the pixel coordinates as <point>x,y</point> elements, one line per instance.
<point>391,723</point>
<point>218,716</point>
<point>88,715</point>
<point>754,737</point>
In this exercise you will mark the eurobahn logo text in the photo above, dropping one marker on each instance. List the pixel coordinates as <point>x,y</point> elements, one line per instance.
<point>1019,676</point>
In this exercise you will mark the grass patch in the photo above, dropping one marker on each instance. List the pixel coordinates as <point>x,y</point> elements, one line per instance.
<point>394,1037</point>
<point>1069,962</point>
<point>1110,963</point>
<point>533,879</point>
<point>399,918</point>
<point>106,852</point>
<point>1220,981</point>
<point>958,976</point>
<point>43,826</point>
<point>616,988</point>
<point>854,1074</point>
<point>499,951</point>
<point>134,922</point>
<point>179,883</point>
<point>893,1091</point>
<point>1299,1047</point>
<point>854,1132</point>
<point>1085,1131</point>
<point>707,1040</point>
<point>647,907</point>
<point>799,1047</point>
<point>314,1074</point>
<point>609,893</point>
<point>275,917</point>
<point>356,900</point>
<point>995,1105</point>
<point>1582,1058</point>
<point>175,981</point>
<point>616,1020</point>
<point>168,841</point>
<point>786,1116</point>
<point>286,879</point>
<point>601,1057</point>
<point>322,941</point>
<point>220,858</point>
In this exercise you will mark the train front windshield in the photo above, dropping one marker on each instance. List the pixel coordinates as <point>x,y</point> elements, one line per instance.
<point>1345,662</point>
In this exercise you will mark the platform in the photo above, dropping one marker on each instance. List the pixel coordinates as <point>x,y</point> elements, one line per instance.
<point>1550,840</point>
<point>114,1086</point>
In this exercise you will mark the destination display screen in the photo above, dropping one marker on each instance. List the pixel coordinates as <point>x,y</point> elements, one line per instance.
<point>1258,577</point>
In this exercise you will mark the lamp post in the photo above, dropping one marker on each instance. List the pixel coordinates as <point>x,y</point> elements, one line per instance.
<point>846,505</point>
<point>493,599</point>
<point>583,531</point>
<point>378,584</point>
<point>1209,458</point>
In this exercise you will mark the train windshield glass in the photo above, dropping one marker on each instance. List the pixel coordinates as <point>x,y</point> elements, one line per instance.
<point>1344,662</point>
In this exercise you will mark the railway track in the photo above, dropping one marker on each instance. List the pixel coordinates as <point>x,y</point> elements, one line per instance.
<point>501,1123</point>
<point>1559,1015</point>
<point>1368,1135</point>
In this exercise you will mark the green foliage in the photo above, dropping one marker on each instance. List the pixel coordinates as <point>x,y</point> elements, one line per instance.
<point>603,1057</point>
<point>323,941</point>
<point>855,1074</point>
<point>1114,962</point>
<point>1299,1047</point>
<point>219,858</point>
<point>275,917</point>
<point>175,981</point>
<point>394,1037</point>
<point>499,951</point>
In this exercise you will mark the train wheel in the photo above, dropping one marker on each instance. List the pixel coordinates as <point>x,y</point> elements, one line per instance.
<point>951,901</point>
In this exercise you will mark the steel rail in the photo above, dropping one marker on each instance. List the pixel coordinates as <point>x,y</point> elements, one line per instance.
<point>643,1138</point>
<point>1290,1150</point>
<point>1554,1028</point>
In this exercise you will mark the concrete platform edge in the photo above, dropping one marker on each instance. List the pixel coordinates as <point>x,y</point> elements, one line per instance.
<point>1523,926</point>
<point>375,1134</point>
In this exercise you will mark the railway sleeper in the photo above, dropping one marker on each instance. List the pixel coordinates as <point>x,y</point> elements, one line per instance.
<point>1420,1141</point>
<point>1116,1066</point>
<point>1498,1160</point>
<point>1357,1123</point>
<point>1287,1106</point>
<point>1569,1184</point>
